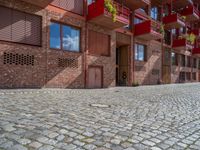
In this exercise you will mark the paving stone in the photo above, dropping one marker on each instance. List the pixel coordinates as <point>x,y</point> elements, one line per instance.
<point>149,143</point>
<point>115,141</point>
<point>90,146</point>
<point>46,147</point>
<point>78,143</point>
<point>19,147</point>
<point>24,141</point>
<point>35,145</point>
<point>146,117</point>
<point>88,134</point>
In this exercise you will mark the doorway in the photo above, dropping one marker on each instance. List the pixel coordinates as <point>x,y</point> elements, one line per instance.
<point>166,67</point>
<point>122,73</point>
<point>95,77</point>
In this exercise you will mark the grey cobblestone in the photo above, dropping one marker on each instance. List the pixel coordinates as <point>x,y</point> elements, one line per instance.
<point>148,117</point>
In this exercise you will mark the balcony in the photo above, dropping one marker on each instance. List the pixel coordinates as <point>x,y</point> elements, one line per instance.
<point>40,3</point>
<point>196,32</point>
<point>196,52</point>
<point>191,13</point>
<point>173,21</point>
<point>98,14</point>
<point>158,2</point>
<point>181,45</point>
<point>148,30</point>
<point>178,4</point>
<point>135,4</point>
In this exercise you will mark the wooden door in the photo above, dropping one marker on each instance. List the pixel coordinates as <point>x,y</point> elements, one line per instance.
<point>95,77</point>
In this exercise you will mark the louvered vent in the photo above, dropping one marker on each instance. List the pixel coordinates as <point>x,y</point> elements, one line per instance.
<point>18,59</point>
<point>68,62</point>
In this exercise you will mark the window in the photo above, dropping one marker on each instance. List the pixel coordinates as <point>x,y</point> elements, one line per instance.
<point>167,57</point>
<point>75,6</point>
<point>154,13</point>
<point>140,52</point>
<point>68,40</point>
<point>199,64</point>
<point>174,57</point>
<point>194,77</point>
<point>55,41</point>
<point>183,60</point>
<point>99,43</point>
<point>20,27</point>
<point>182,76</point>
<point>167,37</point>
<point>188,61</point>
<point>90,1</point>
<point>137,20</point>
<point>194,63</point>
<point>188,76</point>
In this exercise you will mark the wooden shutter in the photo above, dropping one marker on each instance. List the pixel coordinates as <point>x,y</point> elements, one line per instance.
<point>75,6</point>
<point>33,29</point>
<point>99,43</point>
<point>5,23</point>
<point>18,26</point>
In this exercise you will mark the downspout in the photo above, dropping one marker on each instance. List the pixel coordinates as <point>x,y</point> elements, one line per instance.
<point>85,50</point>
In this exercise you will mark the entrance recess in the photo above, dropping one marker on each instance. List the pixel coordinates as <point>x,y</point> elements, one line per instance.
<point>122,74</point>
<point>166,67</point>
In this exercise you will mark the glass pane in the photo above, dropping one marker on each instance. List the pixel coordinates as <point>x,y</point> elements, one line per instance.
<point>136,53</point>
<point>71,38</point>
<point>55,36</point>
<point>141,52</point>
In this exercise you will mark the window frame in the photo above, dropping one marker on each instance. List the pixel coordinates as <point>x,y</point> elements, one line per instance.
<point>144,52</point>
<point>61,36</point>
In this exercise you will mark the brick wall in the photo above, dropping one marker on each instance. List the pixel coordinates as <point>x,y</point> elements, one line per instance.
<point>45,72</point>
<point>149,71</point>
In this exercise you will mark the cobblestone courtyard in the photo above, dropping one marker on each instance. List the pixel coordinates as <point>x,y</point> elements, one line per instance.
<point>149,117</point>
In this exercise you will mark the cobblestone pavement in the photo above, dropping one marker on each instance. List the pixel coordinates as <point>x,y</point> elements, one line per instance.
<point>149,117</point>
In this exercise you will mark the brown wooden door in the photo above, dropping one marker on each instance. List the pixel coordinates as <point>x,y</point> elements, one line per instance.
<point>95,77</point>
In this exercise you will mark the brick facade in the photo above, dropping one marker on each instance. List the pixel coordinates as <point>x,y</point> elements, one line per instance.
<point>46,71</point>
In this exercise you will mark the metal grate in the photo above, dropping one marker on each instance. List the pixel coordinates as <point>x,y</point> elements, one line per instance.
<point>68,62</point>
<point>18,59</point>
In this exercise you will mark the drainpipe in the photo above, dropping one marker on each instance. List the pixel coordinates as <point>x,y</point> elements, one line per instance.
<point>85,50</point>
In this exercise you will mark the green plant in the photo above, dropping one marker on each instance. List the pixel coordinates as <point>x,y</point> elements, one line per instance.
<point>191,38</point>
<point>111,9</point>
<point>135,83</point>
<point>183,18</point>
<point>162,29</point>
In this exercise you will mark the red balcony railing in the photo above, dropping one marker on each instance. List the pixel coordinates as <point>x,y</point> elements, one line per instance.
<point>178,4</point>
<point>173,21</point>
<point>196,52</point>
<point>148,30</point>
<point>195,32</point>
<point>182,44</point>
<point>191,13</point>
<point>98,14</point>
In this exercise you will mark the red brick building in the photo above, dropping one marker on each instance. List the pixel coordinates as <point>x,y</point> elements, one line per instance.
<point>97,43</point>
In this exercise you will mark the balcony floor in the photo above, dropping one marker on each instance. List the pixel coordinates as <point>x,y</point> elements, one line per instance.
<point>106,21</point>
<point>175,25</point>
<point>150,36</point>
